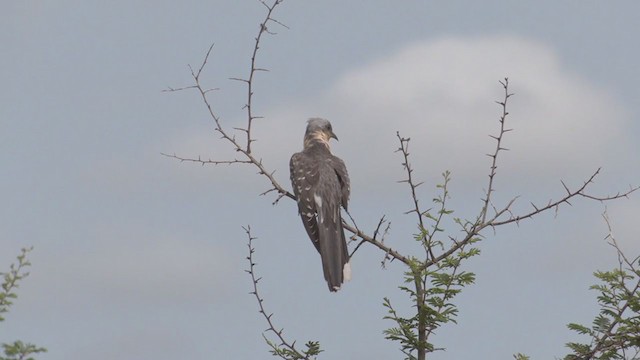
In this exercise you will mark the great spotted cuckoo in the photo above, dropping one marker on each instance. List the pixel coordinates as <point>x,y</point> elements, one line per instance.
<point>321,185</point>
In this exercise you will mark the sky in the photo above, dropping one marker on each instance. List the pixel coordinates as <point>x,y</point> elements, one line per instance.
<point>139,256</point>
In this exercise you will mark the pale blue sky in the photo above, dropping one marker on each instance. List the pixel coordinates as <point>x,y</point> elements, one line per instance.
<point>138,256</point>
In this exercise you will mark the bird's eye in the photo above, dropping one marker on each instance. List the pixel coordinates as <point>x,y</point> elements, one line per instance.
<point>329,127</point>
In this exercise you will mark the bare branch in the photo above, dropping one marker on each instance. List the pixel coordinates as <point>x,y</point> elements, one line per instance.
<point>170,89</point>
<point>482,222</point>
<point>353,221</point>
<point>254,279</point>
<point>204,63</point>
<point>494,156</point>
<point>580,192</point>
<point>377,243</point>
<point>611,240</point>
<point>254,69</point>
<point>375,234</point>
<point>208,161</point>
<point>246,149</point>
<point>404,149</point>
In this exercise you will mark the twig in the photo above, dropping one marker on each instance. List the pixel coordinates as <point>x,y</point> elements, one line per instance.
<point>552,204</point>
<point>208,161</point>
<point>254,279</point>
<point>254,69</point>
<point>244,150</point>
<point>482,222</point>
<point>404,149</point>
<point>378,244</point>
<point>375,234</point>
<point>494,156</point>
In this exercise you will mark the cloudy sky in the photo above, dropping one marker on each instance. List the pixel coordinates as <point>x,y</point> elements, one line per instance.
<point>139,256</point>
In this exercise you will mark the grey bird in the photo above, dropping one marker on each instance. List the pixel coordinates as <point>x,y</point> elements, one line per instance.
<point>321,185</point>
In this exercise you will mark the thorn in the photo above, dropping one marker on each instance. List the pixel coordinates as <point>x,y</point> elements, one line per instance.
<point>238,79</point>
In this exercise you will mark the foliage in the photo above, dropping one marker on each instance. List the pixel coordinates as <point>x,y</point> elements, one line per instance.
<point>312,349</point>
<point>519,356</point>
<point>11,280</point>
<point>615,331</point>
<point>432,291</point>
<point>20,351</point>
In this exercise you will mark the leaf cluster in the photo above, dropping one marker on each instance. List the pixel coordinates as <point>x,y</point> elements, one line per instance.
<point>284,352</point>
<point>20,351</point>
<point>11,281</point>
<point>615,332</point>
<point>431,287</point>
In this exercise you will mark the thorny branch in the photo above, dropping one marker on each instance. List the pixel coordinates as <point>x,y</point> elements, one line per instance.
<point>272,328</point>
<point>379,244</point>
<point>254,69</point>
<point>477,227</point>
<point>404,149</point>
<point>246,149</point>
<point>494,156</point>
<point>580,192</point>
<point>208,161</point>
<point>250,158</point>
<point>473,230</point>
<point>376,232</point>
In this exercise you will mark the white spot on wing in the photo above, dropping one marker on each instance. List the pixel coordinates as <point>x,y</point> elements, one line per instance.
<point>318,201</point>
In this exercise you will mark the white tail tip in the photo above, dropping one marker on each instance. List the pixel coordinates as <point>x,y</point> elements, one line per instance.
<point>346,272</point>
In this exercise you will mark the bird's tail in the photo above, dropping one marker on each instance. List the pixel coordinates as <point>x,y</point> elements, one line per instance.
<point>334,253</point>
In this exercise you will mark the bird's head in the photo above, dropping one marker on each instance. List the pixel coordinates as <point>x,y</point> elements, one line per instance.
<point>319,129</point>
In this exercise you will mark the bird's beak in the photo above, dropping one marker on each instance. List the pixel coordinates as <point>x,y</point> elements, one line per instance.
<point>332,135</point>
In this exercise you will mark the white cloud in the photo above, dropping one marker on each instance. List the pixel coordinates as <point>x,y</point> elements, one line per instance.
<point>441,93</point>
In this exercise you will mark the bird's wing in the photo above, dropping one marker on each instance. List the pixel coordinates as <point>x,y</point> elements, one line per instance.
<point>328,196</point>
<point>343,177</point>
<point>304,177</point>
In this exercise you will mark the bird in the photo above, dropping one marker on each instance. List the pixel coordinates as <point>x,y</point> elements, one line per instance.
<point>321,185</point>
